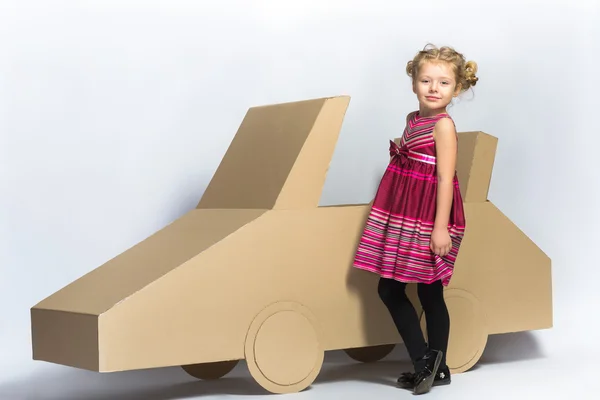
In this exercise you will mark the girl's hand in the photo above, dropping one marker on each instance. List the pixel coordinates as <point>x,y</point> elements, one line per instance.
<point>440,243</point>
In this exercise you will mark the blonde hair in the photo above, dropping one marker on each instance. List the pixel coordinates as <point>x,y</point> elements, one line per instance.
<point>465,71</point>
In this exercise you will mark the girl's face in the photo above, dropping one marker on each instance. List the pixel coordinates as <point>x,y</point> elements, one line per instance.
<point>435,85</point>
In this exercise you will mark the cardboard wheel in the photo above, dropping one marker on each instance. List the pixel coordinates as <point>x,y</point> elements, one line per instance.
<point>371,353</point>
<point>468,330</point>
<point>283,348</point>
<point>210,371</point>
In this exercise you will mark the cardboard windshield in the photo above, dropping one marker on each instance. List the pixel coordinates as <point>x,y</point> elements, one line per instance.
<point>258,271</point>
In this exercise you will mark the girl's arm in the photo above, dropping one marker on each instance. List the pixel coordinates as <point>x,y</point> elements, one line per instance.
<point>446,146</point>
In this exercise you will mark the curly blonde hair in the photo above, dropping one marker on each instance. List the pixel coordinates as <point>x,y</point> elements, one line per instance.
<point>465,71</point>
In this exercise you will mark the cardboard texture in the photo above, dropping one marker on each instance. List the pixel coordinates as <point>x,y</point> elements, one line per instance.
<point>260,272</point>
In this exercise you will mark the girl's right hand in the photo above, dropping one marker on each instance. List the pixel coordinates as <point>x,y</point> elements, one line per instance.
<point>440,243</point>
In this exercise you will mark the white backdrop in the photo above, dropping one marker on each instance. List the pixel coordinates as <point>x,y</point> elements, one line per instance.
<point>115,114</point>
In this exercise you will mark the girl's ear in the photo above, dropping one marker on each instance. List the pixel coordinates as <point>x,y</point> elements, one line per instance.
<point>457,90</point>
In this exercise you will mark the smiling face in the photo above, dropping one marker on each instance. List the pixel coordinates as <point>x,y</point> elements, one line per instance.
<point>435,86</point>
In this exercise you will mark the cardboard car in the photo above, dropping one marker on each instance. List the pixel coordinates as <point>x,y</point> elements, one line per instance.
<point>258,271</point>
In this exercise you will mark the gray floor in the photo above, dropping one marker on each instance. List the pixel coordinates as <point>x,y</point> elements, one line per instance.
<point>513,366</point>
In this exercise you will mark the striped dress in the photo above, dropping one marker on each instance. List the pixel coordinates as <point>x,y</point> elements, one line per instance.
<point>396,238</point>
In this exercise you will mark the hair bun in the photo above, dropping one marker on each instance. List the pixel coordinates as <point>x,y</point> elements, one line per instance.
<point>409,68</point>
<point>470,73</point>
<point>472,79</point>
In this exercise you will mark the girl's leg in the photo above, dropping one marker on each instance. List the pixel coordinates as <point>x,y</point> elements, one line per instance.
<point>425,360</point>
<point>437,317</point>
<point>393,295</point>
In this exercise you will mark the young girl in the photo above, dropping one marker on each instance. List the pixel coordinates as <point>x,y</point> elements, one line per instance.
<point>416,223</point>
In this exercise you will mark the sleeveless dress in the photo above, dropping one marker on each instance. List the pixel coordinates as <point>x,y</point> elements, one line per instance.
<point>396,238</point>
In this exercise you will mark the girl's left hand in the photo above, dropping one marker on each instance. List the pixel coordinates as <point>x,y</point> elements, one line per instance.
<point>440,243</point>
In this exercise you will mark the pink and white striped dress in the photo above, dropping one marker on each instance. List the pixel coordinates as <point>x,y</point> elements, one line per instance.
<point>396,238</point>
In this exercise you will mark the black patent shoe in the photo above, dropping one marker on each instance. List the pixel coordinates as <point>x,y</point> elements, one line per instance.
<point>424,376</point>
<point>407,379</point>
<point>442,377</point>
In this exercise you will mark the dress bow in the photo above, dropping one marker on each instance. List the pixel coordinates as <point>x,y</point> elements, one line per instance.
<point>397,150</point>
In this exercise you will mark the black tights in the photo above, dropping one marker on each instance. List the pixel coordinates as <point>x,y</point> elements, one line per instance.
<point>393,295</point>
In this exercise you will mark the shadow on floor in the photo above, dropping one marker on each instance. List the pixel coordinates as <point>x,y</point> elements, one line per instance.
<point>511,347</point>
<point>52,382</point>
